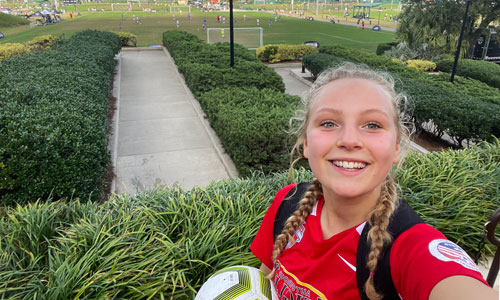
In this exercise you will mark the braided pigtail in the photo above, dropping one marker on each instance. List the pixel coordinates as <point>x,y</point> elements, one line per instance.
<point>306,205</point>
<point>378,234</point>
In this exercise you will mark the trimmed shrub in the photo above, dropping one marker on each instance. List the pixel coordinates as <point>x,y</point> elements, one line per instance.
<point>53,120</point>
<point>201,78</point>
<point>282,52</point>
<point>39,43</point>
<point>251,123</point>
<point>381,48</point>
<point>9,50</point>
<point>42,42</point>
<point>421,65</point>
<point>128,39</point>
<point>484,71</point>
<point>317,63</point>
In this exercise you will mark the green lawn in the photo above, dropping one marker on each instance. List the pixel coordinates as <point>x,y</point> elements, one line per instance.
<point>289,30</point>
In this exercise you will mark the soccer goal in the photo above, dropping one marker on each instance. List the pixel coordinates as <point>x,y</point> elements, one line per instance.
<point>250,38</point>
<point>180,8</point>
<point>121,6</point>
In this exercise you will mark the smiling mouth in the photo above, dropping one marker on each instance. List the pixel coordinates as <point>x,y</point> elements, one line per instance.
<point>349,165</point>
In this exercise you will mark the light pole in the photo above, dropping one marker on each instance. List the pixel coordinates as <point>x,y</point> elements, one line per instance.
<point>457,54</point>
<point>231,32</point>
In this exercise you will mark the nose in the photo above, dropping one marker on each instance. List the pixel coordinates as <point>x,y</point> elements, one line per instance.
<point>349,138</point>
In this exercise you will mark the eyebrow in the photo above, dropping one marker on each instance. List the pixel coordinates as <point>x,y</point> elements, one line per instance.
<point>366,111</point>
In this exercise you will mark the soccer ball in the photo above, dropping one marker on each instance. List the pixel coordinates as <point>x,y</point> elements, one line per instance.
<point>237,283</point>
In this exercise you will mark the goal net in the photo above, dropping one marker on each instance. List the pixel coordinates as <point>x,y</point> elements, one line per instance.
<point>180,9</point>
<point>121,6</point>
<point>250,38</point>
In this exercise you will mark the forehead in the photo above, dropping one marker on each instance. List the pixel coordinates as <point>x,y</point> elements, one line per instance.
<point>354,92</point>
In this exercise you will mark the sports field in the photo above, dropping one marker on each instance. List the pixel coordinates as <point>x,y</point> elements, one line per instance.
<point>288,30</point>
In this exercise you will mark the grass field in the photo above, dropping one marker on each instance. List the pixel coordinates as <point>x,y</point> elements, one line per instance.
<point>289,30</point>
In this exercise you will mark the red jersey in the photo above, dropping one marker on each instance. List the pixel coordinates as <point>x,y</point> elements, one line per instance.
<point>314,268</point>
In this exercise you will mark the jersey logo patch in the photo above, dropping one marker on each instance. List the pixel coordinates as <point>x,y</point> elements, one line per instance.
<point>445,250</point>
<point>299,233</point>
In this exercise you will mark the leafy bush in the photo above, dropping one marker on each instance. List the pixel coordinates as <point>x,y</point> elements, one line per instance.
<point>381,48</point>
<point>283,52</point>
<point>251,123</point>
<point>421,65</point>
<point>127,38</point>
<point>53,120</point>
<point>317,63</point>
<point>166,242</point>
<point>473,88</point>
<point>484,71</point>
<point>42,42</point>
<point>451,113</point>
<point>16,49</point>
<point>8,50</point>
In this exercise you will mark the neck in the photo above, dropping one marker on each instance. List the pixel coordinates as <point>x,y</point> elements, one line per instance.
<point>339,214</point>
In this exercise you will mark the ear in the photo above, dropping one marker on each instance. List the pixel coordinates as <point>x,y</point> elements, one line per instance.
<point>306,149</point>
<point>396,153</point>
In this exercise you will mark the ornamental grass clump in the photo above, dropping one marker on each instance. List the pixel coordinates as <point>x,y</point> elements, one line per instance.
<point>456,191</point>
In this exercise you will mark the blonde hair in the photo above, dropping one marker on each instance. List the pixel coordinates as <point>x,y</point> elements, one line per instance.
<point>379,217</point>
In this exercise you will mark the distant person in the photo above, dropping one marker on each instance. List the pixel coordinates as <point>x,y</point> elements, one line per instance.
<point>258,21</point>
<point>177,23</point>
<point>244,17</point>
<point>270,22</point>
<point>70,15</point>
<point>203,26</point>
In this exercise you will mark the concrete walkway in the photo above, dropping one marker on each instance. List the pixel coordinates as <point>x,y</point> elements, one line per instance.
<point>161,136</point>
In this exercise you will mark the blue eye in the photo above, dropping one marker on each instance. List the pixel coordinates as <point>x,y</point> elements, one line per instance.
<point>373,125</point>
<point>327,124</point>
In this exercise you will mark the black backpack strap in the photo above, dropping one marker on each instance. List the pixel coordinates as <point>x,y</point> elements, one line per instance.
<point>403,219</point>
<point>288,206</point>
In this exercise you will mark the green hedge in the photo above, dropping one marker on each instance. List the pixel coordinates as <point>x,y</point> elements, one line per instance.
<point>381,48</point>
<point>249,131</point>
<point>484,71</point>
<point>251,124</point>
<point>165,243</point>
<point>317,63</point>
<point>53,107</point>
<point>282,52</point>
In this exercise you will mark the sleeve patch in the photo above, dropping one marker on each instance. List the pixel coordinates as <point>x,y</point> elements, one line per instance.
<point>445,250</point>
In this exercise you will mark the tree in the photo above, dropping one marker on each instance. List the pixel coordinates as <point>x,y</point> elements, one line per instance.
<point>438,22</point>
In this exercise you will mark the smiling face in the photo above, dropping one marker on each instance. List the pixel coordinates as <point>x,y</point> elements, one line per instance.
<point>351,138</point>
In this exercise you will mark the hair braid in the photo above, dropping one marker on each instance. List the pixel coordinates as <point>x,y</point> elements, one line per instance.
<point>306,205</point>
<point>378,234</point>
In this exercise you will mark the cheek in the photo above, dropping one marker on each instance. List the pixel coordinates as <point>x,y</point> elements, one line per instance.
<point>318,142</point>
<point>385,146</point>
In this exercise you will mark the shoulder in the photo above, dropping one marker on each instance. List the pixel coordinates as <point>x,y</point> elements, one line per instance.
<point>283,192</point>
<point>422,256</point>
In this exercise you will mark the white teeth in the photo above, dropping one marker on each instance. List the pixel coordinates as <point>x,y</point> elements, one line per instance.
<point>349,164</point>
